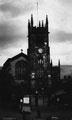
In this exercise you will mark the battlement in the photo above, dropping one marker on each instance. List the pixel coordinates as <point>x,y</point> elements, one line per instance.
<point>41,23</point>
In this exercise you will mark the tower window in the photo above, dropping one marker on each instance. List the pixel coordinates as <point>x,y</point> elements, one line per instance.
<point>40,72</point>
<point>40,61</point>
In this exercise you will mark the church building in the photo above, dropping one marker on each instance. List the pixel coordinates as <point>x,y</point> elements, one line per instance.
<point>36,67</point>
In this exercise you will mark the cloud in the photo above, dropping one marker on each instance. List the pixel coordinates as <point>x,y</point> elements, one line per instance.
<point>61,36</point>
<point>10,34</point>
<point>16,9</point>
<point>68,2</point>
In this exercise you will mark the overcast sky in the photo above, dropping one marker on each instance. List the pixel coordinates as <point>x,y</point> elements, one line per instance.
<point>14,15</point>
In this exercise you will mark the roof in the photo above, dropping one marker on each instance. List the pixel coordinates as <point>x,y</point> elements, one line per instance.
<point>55,67</point>
<point>16,57</point>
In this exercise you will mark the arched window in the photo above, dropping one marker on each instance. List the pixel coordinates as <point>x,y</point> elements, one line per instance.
<point>20,70</point>
<point>40,72</point>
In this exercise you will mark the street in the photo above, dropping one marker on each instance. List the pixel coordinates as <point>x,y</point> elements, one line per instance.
<point>12,114</point>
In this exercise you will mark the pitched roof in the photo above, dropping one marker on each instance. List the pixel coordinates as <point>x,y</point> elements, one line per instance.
<point>16,57</point>
<point>19,55</point>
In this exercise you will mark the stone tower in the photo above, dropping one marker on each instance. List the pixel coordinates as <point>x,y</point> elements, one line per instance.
<point>38,48</point>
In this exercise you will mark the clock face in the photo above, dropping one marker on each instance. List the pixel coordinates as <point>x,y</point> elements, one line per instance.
<point>40,50</point>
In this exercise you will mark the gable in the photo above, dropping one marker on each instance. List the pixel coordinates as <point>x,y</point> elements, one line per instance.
<point>16,60</point>
<point>10,64</point>
<point>19,56</point>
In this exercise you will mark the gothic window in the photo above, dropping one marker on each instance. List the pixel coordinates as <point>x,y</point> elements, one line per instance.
<point>40,72</point>
<point>20,70</point>
<point>33,83</point>
<point>40,61</point>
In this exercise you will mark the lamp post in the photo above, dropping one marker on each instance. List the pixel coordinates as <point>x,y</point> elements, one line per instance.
<point>36,98</point>
<point>43,94</point>
<point>49,87</point>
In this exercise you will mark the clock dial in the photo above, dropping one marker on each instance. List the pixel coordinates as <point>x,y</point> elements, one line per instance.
<point>40,50</point>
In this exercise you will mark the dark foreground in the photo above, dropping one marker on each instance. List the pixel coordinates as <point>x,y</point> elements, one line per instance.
<point>8,112</point>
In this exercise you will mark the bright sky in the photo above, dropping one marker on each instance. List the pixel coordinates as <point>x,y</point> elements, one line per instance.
<point>14,15</point>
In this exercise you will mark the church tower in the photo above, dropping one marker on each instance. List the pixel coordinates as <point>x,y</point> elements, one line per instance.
<point>38,48</point>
